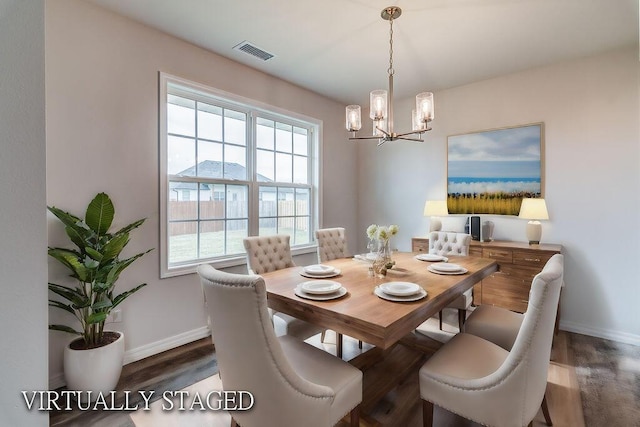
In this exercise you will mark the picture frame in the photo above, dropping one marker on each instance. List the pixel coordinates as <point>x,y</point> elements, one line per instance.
<point>491,171</point>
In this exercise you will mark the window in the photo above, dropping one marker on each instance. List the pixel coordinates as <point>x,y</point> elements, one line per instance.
<point>231,168</point>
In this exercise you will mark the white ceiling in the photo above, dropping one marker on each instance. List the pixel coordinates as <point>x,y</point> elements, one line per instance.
<point>340,48</point>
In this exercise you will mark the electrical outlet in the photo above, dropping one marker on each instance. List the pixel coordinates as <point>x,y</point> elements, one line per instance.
<point>116,316</point>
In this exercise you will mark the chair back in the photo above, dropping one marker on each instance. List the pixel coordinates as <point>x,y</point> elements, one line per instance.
<point>267,253</point>
<point>332,244</point>
<point>526,366</point>
<point>449,243</point>
<point>250,357</point>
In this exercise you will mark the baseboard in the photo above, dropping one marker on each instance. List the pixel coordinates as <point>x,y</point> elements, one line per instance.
<point>57,380</point>
<point>622,337</point>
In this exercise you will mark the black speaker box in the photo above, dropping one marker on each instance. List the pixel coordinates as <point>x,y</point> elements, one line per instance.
<point>475,227</point>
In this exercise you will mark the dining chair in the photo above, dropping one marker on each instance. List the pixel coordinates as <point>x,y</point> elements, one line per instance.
<point>292,382</point>
<point>451,243</point>
<point>332,244</point>
<point>271,253</point>
<point>485,383</point>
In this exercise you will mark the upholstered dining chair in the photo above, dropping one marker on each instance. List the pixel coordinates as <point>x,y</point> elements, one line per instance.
<point>292,382</point>
<point>332,244</point>
<point>485,383</point>
<point>449,243</point>
<point>271,253</point>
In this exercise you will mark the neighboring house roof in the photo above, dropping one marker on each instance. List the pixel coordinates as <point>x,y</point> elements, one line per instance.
<point>213,168</point>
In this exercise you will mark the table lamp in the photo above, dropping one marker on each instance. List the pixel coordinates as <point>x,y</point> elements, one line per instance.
<point>435,208</point>
<point>534,210</point>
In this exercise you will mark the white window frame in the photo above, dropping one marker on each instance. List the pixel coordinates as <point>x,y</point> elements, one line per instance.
<point>252,107</point>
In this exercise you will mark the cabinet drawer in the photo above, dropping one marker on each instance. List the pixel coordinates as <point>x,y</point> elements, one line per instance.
<point>500,255</point>
<point>531,258</point>
<point>505,302</point>
<point>420,245</point>
<point>517,273</point>
<point>475,251</point>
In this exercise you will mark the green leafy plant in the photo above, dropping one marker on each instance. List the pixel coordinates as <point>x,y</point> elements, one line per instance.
<point>95,264</point>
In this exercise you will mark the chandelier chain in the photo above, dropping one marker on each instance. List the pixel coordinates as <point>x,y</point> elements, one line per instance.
<point>391,71</point>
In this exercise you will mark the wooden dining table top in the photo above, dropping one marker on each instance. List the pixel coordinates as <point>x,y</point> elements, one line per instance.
<point>363,315</point>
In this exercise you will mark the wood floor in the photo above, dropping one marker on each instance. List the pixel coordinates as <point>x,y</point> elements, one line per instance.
<point>192,367</point>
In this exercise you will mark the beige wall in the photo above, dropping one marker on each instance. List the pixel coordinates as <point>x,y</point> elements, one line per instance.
<point>23,264</point>
<point>102,135</point>
<point>590,109</point>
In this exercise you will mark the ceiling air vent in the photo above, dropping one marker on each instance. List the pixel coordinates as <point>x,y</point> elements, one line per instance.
<point>253,50</point>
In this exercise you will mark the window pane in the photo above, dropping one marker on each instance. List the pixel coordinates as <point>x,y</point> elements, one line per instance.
<point>212,197</point>
<point>236,231</point>
<point>235,162</point>
<point>265,166</point>
<point>267,227</point>
<point>302,201</point>
<point>284,138</point>
<point>183,241</point>
<point>209,159</point>
<point>300,175</point>
<point>183,200</point>
<point>286,203</point>
<point>235,129</point>
<point>301,235</point>
<point>209,122</point>
<point>237,197</point>
<point>211,238</point>
<point>283,168</point>
<point>181,116</point>
<point>267,201</point>
<point>264,133</point>
<point>181,156</point>
<point>300,141</point>
<point>285,226</point>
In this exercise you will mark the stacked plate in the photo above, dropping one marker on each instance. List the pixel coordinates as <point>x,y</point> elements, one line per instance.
<point>400,291</point>
<point>320,290</point>
<point>431,257</point>
<point>446,268</point>
<point>319,271</point>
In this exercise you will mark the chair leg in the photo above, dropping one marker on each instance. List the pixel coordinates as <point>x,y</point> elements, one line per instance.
<point>427,413</point>
<point>462,316</point>
<point>322,335</point>
<point>545,410</point>
<point>355,416</point>
<point>339,345</point>
<point>440,316</point>
<point>360,344</point>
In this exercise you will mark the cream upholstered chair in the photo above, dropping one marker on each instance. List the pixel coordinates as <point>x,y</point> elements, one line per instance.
<point>449,243</point>
<point>292,382</point>
<point>271,253</point>
<point>332,244</point>
<point>485,383</point>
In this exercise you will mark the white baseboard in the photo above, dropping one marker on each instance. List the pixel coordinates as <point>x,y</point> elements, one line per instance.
<point>56,380</point>
<point>622,337</point>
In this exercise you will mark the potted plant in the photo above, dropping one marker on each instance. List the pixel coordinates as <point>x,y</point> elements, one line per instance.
<point>92,362</point>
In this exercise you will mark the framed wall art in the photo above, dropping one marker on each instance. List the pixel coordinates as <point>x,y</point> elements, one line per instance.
<point>491,171</point>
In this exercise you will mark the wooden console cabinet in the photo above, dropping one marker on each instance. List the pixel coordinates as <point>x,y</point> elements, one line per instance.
<point>518,263</point>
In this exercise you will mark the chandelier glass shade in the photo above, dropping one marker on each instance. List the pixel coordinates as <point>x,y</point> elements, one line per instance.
<point>381,104</point>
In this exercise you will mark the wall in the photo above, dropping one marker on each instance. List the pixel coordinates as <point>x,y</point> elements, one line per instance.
<point>23,290</point>
<point>102,135</point>
<point>590,109</point>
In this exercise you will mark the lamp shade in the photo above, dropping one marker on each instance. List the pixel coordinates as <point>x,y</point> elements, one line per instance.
<point>533,209</point>
<point>436,208</point>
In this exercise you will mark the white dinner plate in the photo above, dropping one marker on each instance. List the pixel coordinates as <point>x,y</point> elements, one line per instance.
<point>461,271</point>
<point>320,286</point>
<point>400,289</point>
<point>431,257</point>
<point>334,273</point>
<point>319,269</point>
<point>446,267</point>
<point>408,298</point>
<point>320,297</point>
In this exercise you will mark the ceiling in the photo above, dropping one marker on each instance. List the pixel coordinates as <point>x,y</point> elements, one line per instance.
<point>340,48</point>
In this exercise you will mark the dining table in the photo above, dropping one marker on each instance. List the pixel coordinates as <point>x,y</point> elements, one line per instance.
<point>360,310</point>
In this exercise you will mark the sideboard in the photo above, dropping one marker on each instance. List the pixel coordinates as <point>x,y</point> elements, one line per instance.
<point>518,263</point>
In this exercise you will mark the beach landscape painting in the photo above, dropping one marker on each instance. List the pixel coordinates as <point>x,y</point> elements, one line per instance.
<point>490,172</point>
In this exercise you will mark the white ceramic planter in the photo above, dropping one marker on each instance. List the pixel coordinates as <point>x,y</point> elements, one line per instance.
<point>96,370</point>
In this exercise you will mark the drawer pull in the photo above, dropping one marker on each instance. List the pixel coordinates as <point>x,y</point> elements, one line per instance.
<point>532,259</point>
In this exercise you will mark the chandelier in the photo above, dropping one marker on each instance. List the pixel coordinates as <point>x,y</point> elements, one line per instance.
<point>381,103</point>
